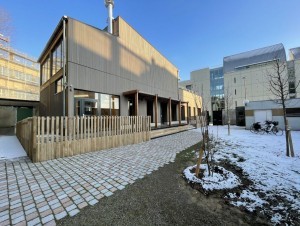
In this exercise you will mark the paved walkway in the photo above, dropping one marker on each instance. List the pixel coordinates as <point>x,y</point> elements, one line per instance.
<point>40,193</point>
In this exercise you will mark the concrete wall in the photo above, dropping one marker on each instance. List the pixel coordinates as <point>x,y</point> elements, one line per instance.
<point>251,83</point>
<point>297,76</point>
<point>201,85</point>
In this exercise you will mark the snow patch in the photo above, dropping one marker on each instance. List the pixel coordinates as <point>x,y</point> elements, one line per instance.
<point>11,148</point>
<point>217,181</point>
<point>250,200</point>
<point>262,158</point>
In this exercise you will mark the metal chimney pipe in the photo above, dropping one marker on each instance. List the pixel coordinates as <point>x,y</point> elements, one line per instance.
<point>109,5</point>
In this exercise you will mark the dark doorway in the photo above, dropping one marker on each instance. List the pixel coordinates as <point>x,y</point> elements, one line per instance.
<point>217,118</point>
<point>189,112</point>
<point>183,113</point>
<point>150,109</point>
<point>164,112</point>
<point>174,112</point>
<point>130,107</point>
<point>240,116</point>
<point>199,111</point>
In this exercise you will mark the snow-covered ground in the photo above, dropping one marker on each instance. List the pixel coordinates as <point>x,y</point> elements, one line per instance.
<point>11,148</point>
<point>276,177</point>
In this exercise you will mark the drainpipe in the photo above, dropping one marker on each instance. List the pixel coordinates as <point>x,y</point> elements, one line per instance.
<point>64,65</point>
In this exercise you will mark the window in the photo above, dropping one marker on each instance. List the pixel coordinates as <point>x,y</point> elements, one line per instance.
<point>57,58</point>
<point>234,80</point>
<point>59,85</point>
<point>46,70</point>
<point>189,87</point>
<point>293,112</point>
<point>234,91</point>
<point>292,88</point>
<point>235,103</point>
<point>219,87</point>
<point>102,104</point>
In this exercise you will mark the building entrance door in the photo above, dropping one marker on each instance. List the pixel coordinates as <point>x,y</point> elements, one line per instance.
<point>217,117</point>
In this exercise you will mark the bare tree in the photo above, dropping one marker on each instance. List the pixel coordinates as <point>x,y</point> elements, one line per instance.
<point>5,25</point>
<point>279,86</point>
<point>205,140</point>
<point>228,100</point>
<point>205,149</point>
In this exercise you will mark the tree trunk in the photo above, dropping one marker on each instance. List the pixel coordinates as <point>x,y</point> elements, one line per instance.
<point>201,151</point>
<point>286,129</point>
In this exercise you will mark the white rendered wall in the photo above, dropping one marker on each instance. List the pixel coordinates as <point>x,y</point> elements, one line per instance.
<point>201,85</point>
<point>255,84</point>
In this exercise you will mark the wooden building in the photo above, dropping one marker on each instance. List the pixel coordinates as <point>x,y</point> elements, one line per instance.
<point>106,74</point>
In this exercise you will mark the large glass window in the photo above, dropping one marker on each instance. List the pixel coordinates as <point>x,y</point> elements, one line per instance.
<point>217,88</point>
<point>46,70</point>
<point>57,57</point>
<point>103,104</point>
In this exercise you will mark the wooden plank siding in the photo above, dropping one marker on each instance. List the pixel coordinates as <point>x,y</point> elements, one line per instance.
<point>101,62</point>
<point>46,138</point>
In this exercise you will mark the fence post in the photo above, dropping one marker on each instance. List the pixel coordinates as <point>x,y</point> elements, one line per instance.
<point>34,141</point>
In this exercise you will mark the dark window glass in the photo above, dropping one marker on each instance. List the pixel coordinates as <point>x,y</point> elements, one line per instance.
<point>292,87</point>
<point>293,112</point>
<point>59,85</point>
<point>46,70</point>
<point>57,57</point>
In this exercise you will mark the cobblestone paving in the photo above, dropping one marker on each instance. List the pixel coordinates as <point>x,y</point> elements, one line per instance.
<point>40,193</point>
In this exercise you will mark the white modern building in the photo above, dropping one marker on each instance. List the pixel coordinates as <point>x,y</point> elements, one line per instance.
<point>209,84</point>
<point>244,79</point>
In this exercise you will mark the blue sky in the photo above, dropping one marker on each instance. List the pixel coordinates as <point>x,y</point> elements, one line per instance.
<point>191,34</point>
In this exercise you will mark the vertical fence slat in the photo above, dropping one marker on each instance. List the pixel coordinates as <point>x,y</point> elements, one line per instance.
<point>66,137</point>
<point>42,139</point>
<point>57,141</point>
<point>46,138</point>
<point>52,138</point>
<point>61,147</point>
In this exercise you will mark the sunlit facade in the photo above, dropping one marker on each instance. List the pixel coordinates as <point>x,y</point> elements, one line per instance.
<point>19,88</point>
<point>95,73</point>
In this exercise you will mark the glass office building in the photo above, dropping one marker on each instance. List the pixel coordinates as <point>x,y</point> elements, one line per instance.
<point>217,88</point>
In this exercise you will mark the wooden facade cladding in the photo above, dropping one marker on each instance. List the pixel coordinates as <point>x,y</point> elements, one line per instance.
<point>101,62</point>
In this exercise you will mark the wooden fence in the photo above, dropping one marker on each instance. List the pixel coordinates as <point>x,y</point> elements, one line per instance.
<point>46,138</point>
